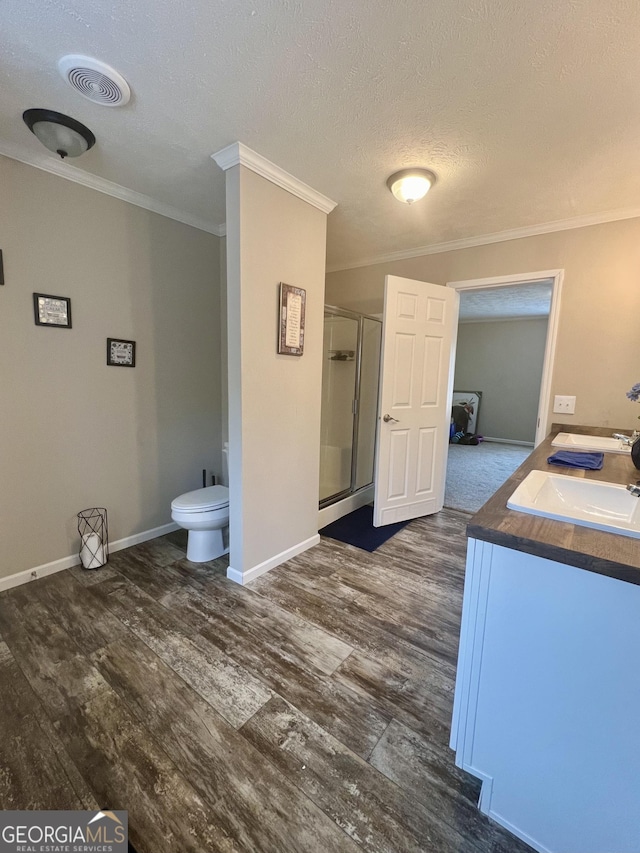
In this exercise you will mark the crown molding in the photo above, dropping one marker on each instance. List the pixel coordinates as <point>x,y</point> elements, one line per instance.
<point>62,169</point>
<point>238,154</point>
<point>499,237</point>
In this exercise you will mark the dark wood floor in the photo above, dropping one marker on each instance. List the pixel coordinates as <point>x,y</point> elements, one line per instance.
<point>309,711</point>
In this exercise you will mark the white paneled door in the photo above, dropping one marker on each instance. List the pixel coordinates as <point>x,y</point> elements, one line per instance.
<point>416,383</point>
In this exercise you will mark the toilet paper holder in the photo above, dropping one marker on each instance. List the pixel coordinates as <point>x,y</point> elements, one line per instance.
<point>94,537</point>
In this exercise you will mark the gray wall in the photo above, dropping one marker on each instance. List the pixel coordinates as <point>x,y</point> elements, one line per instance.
<point>76,433</point>
<point>504,361</point>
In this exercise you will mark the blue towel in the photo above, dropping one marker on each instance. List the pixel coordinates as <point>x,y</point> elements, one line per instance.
<point>574,459</point>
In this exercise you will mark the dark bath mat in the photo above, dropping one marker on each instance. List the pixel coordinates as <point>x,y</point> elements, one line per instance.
<point>357,529</point>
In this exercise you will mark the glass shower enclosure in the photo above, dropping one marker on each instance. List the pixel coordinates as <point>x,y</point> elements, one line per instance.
<point>350,374</point>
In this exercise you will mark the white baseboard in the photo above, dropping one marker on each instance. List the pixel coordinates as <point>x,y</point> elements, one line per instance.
<point>138,538</point>
<point>74,560</point>
<point>509,441</point>
<point>535,845</point>
<point>255,572</point>
<point>484,804</point>
<point>345,506</point>
<point>38,572</point>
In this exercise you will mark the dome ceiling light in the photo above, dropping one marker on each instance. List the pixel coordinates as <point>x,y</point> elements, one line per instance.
<point>409,185</point>
<point>59,133</point>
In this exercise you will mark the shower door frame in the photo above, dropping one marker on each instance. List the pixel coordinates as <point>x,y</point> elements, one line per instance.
<point>355,406</point>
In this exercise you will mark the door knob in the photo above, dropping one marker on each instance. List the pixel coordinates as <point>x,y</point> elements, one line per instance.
<point>388,419</point>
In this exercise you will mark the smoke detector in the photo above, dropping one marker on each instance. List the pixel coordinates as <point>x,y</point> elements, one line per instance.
<point>94,80</point>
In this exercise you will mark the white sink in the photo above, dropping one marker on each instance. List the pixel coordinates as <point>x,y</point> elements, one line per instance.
<point>589,503</point>
<point>589,443</point>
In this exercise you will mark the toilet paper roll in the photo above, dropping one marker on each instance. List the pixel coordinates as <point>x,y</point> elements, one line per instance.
<point>92,551</point>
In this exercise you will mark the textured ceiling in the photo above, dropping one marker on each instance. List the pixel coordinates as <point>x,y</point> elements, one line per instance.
<point>506,303</point>
<point>527,110</point>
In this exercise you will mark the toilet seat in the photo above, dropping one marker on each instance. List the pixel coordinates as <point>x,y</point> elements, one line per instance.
<point>202,500</point>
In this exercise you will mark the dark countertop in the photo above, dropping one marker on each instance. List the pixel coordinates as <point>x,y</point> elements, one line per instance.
<point>604,553</point>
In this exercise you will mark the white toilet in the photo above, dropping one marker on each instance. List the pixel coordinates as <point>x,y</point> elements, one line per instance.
<point>205,514</point>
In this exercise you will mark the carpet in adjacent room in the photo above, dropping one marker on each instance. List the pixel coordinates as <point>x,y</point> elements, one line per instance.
<point>475,472</point>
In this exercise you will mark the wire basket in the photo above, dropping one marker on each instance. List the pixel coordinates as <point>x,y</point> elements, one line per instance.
<point>94,537</point>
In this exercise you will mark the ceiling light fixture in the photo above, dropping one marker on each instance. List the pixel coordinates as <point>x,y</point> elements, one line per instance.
<point>411,185</point>
<point>59,133</point>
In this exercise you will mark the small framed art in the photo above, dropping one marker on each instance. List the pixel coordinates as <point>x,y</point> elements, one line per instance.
<point>291,327</point>
<point>121,353</point>
<point>54,311</point>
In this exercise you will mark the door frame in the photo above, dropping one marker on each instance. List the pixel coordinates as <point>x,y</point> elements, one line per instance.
<point>557,278</point>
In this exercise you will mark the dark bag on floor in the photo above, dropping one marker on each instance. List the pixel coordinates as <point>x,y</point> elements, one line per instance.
<point>469,438</point>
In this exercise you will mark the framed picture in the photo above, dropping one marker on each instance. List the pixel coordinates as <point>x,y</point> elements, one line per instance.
<point>121,353</point>
<point>52,311</point>
<point>291,327</point>
<point>470,401</point>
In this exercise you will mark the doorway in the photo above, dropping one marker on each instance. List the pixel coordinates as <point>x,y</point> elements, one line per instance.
<point>506,341</point>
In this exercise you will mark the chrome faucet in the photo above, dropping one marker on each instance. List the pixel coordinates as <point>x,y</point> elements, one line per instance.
<point>634,488</point>
<point>627,439</point>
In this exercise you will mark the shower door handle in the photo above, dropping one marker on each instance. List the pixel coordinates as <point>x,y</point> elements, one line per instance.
<point>388,419</point>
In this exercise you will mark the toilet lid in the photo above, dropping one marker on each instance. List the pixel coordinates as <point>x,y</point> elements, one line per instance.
<point>213,497</point>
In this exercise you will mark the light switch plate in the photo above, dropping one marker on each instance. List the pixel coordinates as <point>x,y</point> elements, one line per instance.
<point>563,405</point>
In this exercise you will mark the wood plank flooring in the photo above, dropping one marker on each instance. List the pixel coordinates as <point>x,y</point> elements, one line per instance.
<point>309,711</point>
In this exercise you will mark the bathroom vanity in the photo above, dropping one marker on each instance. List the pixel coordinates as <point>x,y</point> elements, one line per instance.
<point>547,701</point>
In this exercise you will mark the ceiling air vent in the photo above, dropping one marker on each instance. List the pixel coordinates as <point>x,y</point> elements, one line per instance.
<point>94,80</point>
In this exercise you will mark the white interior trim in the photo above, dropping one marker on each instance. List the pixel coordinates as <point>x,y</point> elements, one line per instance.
<point>493,440</point>
<point>500,280</point>
<point>63,169</point>
<point>498,237</point>
<point>556,277</point>
<point>42,571</point>
<point>238,154</point>
<point>144,536</point>
<point>532,842</point>
<point>341,508</point>
<point>45,569</point>
<point>484,804</point>
<point>272,562</point>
